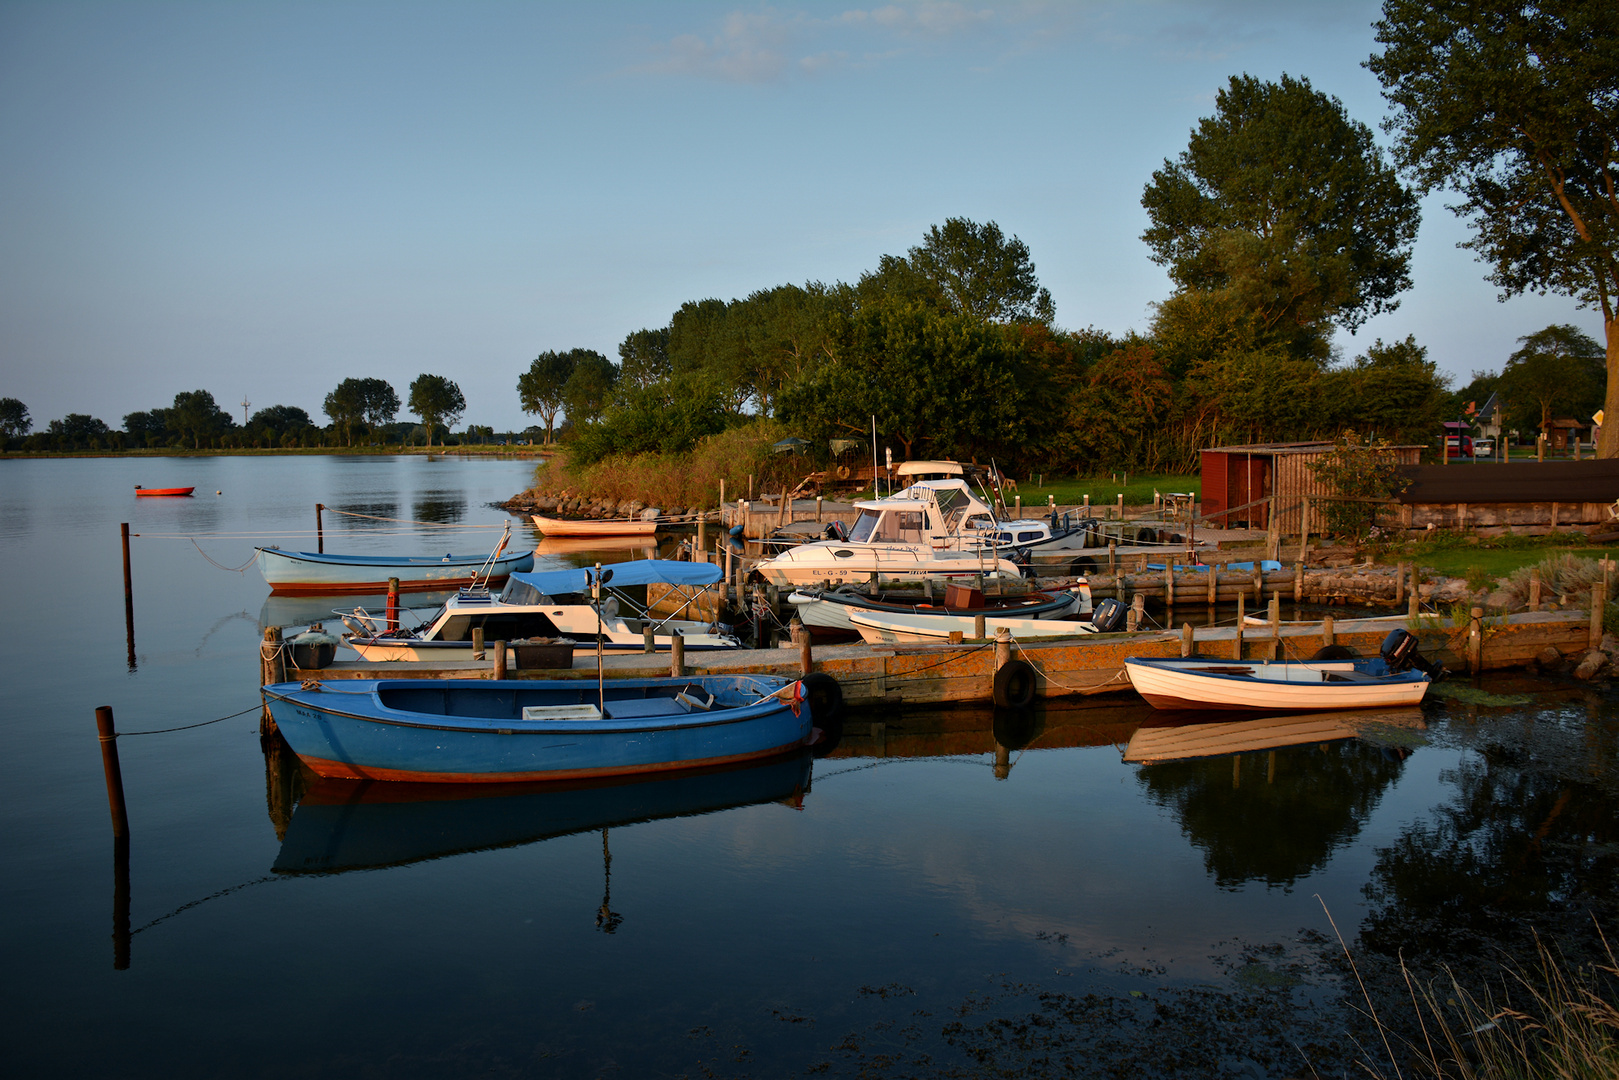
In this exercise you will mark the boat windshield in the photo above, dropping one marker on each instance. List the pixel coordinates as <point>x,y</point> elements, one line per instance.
<point>888,526</point>
<point>863,526</point>
<point>521,592</point>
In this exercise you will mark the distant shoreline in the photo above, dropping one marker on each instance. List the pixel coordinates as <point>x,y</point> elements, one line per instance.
<point>295,451</point>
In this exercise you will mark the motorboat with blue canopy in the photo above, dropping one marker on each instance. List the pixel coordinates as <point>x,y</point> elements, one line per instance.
<point>551,605</point>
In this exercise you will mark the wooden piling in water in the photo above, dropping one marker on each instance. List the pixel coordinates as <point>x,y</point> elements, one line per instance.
<point>1236,648</point>
<point>320,530</point>
<point>107,730</point>
<point>500,660</point>
<point>677,655</point>
<point>272,669</point>
<point>129,596</point>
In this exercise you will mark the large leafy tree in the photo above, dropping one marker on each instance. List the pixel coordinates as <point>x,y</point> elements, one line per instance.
<point>1285,202</point>
<point>436,400</point>
<point>14,418</point>
<point>540,388</point>
<point>643,357</point>
<point>981,273</point>
<point>1557,370</point>
<point>273,424</point>
<point>1515,104</point>
<point>364,403</point>
<point>79,431</point>
<point>590,387</point>
<point>1393,392</point>
<point>946,381</point>
<point>196,415</point>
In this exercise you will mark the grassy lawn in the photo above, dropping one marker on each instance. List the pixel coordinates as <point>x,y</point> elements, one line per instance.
<point>1488,558</point>
<point>1071,490</point>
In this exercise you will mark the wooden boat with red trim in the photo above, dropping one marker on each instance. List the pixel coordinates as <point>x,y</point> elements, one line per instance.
<point>468,731</point>
<point>163,491</point>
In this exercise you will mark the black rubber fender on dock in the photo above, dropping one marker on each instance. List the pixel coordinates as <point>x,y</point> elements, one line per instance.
<point>1014,684</point>
<point>1082,566</point>
<point>825,699</point>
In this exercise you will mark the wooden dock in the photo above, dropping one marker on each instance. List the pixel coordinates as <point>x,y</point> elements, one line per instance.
<point>872,675</point>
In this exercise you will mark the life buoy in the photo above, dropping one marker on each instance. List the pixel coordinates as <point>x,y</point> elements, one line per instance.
<point>1014,684</point>
<point>825,699</point>
<point>843,472</point>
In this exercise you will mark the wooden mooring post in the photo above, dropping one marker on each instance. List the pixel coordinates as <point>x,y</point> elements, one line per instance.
<point>1236,646</point>
<point>477,643</point>
<point>272,669</point>
<point>500,660</point>
<point>677,655</point>
<point>107,731</point>
<point>1599,600</point>
<point>129,600</point>
<point>320,530</point>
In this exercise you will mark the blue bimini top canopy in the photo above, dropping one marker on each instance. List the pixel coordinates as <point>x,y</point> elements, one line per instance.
<point>640,572</point>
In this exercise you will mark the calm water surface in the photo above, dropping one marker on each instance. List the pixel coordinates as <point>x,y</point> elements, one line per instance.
<point>948,893</point>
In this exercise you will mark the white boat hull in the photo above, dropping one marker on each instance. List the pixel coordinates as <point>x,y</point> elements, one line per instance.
<point>832,562</point>
<point>815,610</point>
<point>1272,687</point>
<point>894,628</point>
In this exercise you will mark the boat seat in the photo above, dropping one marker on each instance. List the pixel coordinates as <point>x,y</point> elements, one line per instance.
<point>652,706</point>
<point>1348,676</point>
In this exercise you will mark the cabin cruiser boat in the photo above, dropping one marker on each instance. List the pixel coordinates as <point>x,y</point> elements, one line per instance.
<point>551,604</point>
<point>933,530</point>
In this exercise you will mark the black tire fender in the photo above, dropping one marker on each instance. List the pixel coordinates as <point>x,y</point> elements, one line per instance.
<point>1082,566</point>
<point>1014,684</point>
<point>825,699</point>
<point>1334,652</point>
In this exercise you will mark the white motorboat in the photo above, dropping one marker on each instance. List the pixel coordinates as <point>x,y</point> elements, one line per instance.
<point>933,530</point>
<point>904,627</point>
<point>547,605</point>
<point>829,610</point>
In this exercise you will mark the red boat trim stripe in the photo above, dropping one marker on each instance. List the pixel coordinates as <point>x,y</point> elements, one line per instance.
<point>344,770</point>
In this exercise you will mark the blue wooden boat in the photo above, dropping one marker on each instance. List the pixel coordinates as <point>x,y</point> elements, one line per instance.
<point>360,825</point>
<point>312,572</point>
<point>470,731</point>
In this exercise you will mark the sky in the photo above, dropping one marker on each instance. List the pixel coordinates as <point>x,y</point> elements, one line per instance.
<point>261,199</point>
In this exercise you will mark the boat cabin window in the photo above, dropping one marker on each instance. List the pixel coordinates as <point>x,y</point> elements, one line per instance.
<point>863,526</point>
<point>498,626</point>
<point>521,592</point>
<point>1028,537</point>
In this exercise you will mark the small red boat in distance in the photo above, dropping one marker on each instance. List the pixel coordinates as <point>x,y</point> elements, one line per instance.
<point>163,491</point>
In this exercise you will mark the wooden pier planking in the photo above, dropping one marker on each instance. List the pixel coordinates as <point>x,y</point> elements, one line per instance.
<point>937,674</point>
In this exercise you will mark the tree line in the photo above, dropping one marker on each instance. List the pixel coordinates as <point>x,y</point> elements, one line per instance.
<point>1281,223</point>
<point>363,409</point>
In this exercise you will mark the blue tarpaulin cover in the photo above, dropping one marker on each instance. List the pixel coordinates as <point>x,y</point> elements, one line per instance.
<point>639,572</point>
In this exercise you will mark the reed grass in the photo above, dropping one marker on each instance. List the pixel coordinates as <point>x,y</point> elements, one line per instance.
<point>1548,1022</point>
<point>680,480</point>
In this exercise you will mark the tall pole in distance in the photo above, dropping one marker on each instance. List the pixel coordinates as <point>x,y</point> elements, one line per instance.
<point>320,531</point>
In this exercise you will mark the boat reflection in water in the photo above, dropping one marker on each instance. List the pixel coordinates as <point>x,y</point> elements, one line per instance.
<point>1269,800</point>
<point>343,825</point>
<point>1191,737</point>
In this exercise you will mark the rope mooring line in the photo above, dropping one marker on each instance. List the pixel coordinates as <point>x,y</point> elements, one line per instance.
<point>188,727</point>
<point>233,569</point>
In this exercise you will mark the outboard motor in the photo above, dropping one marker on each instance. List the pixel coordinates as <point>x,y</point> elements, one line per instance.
<point>1108,616</point>
<point>1399,652</point>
